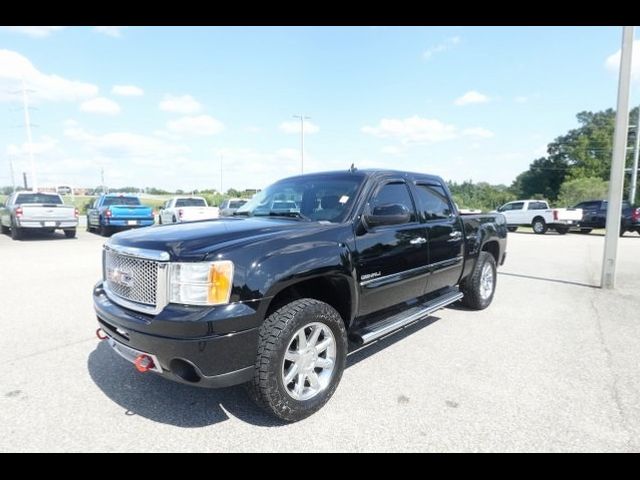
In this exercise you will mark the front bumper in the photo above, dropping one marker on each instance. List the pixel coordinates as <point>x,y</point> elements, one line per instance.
<point>202,346</point>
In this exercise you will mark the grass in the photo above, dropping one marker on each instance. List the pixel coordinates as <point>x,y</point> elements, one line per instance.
<point>82,202</point>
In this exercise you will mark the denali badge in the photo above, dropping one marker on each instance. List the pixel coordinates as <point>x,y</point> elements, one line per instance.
<point>122,277</point>
<point>369,276</point>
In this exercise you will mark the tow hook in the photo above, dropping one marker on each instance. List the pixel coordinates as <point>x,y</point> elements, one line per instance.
<point>101,335</point>
<point>143,363</point>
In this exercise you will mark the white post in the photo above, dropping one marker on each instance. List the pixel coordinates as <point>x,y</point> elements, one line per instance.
<point>27,122</point>
<point>616,181</point>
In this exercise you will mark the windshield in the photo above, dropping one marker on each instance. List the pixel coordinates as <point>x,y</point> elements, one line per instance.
<point>313,198</point>
<point>236,203</point>
<point>38,198</point>
<point>191,202</point>
<point>108,201</point>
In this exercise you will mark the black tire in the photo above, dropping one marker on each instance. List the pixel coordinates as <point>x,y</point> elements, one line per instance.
<point>471,287</point>
<point>267,388</point>
<point>71,233</point>
<point>539,226</point>
<point>104,231</point>
<point>174,219</point>
<point>16,232</point>
<point>512,229</point>
<point>159,219</point>
<point>562,230</point>
<point>89,229</point>
<point>585,231</point>
<point>4,229</point>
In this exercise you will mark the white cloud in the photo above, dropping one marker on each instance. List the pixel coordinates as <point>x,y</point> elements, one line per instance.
<point>612,63</point>
<point>196,125</point>
<point>127,90</point>
<point>44,145</point>
<point>477,132</point>
<point>14,67</point>
<point>110,31</point>
<point>36,31</point>
<point>183,104</point>
<point>412,130</point>
<point>521,99</point>
<point>441,47</point>
<point>125,144</point>
<point>392,150</point>
<point>470,97</point>
<point>294,127</point>
<point>100,105</point>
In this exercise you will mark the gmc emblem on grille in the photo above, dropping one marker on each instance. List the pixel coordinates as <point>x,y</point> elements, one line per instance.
<point>117,275</point>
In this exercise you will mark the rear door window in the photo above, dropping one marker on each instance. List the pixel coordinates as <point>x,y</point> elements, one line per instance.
<point>433,202</point>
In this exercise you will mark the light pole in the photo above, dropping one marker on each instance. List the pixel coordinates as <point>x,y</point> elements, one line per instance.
<point>27,123</point>
<point>634,169</point>
<point>616,183</point>
<point>302,119</point>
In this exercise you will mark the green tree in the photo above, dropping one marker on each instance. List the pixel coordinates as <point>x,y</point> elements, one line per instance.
<point>578,190</point>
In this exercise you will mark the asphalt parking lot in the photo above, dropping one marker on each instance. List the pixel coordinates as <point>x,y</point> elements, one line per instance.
<point>552,365</point>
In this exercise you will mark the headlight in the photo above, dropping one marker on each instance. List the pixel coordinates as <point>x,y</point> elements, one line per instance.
<point>202,283</point>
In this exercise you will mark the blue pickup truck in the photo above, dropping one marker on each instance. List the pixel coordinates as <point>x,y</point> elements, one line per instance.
<point>116,211</point>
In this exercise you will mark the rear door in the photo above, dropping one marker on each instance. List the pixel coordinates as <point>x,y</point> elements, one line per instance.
<point>445,234</point>
<point>392,261</point>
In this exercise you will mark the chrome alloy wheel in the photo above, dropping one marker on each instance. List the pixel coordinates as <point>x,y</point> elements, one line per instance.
<point>486,281</point>
<point>309,361</point>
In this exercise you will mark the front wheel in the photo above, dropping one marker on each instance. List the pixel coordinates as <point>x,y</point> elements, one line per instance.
<point>104,231</point>
<point>512,229</point>
<point>480,286</point>
<point>539,226</point>
<point>302,353</point>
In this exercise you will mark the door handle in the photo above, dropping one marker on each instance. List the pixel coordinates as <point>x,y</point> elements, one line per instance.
<point>418,241</point>
<point>455,236</point>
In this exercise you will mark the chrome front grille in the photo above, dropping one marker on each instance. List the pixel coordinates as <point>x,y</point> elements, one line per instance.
<point>131,278</point>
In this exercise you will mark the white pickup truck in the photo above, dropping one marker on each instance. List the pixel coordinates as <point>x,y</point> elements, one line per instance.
<point>537,215</point>
<point>37,211</point>
<point>187,209</point>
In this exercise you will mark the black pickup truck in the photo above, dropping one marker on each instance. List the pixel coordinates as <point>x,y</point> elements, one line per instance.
<point>276,295</point>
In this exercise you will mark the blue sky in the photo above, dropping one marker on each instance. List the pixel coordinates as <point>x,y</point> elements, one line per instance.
<point>160,106</point>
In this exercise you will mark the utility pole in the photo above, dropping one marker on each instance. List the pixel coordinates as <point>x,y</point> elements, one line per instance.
<point>24,179</point>
<point>616,181</point>
<point>302,119</point>
<point>221,158</point>
<point>102,179</point>
<point>27,123</point>
<point>13,179</point>
<point>634,169</point>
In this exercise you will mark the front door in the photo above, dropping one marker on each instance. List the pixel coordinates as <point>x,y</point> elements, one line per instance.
<point>391,260</point>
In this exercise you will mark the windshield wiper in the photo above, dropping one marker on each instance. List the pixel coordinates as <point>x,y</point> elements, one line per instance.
<point>290,214</point>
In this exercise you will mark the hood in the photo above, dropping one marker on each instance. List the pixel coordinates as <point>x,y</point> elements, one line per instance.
<point>193,241</point>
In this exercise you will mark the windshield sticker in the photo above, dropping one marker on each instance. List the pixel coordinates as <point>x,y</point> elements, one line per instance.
<point>344,199</point>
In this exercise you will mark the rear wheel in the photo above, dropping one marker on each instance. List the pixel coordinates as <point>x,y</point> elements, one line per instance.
<point>480,286</point>
<point>512,229</point>
<point>562,230</point>
<point>302,353</point>
<point>4,229</point>
<point>104,231</point>
<point>16,232</point>
<point>71,233</point>
<point>539,226</point>
<point>585,230</point>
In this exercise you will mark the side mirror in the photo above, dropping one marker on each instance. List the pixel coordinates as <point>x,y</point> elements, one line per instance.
<point>390,214</point>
